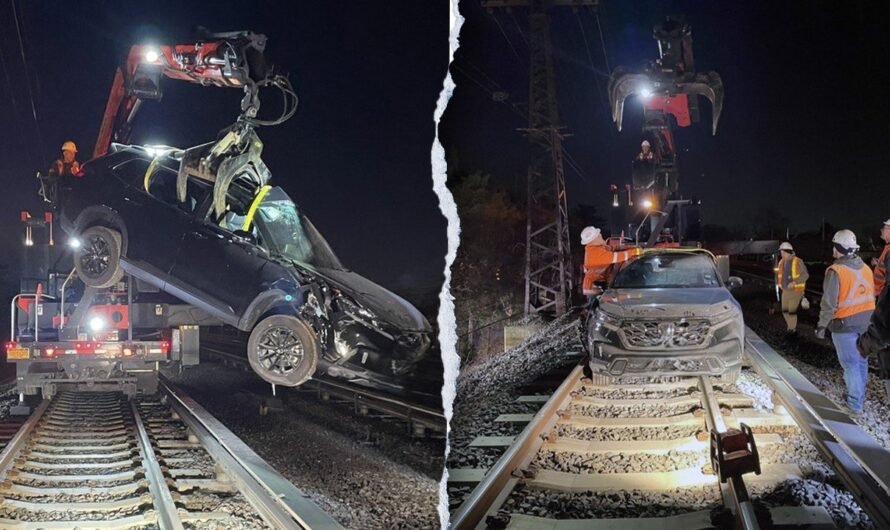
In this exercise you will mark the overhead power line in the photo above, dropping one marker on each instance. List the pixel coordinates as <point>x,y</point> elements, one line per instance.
<point>18,31</point>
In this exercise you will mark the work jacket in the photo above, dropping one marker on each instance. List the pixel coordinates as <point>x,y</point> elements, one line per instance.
<point>848,296</point>
<point>877,336</point>
<point>598,261</point>
<point>792,274</point>
<point>881,270</point>
<point>60,168</point>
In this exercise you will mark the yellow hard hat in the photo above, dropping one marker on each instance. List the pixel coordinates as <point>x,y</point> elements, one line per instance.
<point>69,146</point>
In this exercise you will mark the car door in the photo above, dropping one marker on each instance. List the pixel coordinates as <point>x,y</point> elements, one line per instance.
<point>154,224</point>
<point>221,267</point>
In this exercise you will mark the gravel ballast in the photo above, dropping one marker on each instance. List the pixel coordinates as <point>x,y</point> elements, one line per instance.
<point>366,473</point>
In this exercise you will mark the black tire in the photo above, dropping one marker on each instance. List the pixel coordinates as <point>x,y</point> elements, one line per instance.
<point>282,350</point>
<point>98,259</point>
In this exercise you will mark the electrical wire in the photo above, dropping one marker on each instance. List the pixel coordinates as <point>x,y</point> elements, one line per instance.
<point>28,148</point>
<point>489,91</point>
<point>603,42</point>
<point>504,33</point>
<point>519,28</point>
<point>27,73</point>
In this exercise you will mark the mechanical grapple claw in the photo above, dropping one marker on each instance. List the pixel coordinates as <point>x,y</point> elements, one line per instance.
<point>666,82</point>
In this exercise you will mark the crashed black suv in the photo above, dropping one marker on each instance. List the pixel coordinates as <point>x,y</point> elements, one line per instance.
<point>257,264</point>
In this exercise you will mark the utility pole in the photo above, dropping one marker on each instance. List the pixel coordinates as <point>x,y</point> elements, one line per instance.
<point>548,264</point>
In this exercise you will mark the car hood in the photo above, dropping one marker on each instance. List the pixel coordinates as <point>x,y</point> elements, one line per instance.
<point>668,302</point>
<point>387,305</point>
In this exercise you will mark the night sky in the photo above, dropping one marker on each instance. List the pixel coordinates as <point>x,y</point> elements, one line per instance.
<point>355,157</point>
<point>802,124</point>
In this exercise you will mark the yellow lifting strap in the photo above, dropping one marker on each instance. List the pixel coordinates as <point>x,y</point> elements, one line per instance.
<point>254,206</point>
<point>149,172</point>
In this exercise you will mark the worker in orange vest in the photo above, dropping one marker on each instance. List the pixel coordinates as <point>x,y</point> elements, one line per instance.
<point>791,277</point>
<point>883,262</point>
<point>599,259</point>
<point>848,301</point>
<point>68,164</point>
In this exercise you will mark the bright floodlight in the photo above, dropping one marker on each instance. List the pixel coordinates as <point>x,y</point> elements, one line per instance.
<point>647,204</point>
<point>74,242</point>
<point>645,92</point>
<point>151,55</point>
<point>96,323</point>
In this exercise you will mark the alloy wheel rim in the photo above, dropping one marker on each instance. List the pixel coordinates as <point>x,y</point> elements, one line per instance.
<point>96,256</point>
<point>280,351</point>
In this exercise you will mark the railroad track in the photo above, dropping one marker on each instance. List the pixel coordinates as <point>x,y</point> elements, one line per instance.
<point>419,420</point>
<point>602,457</point>
<point>99,460</point>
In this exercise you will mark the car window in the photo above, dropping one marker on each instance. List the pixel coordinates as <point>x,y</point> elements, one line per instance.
<point>667,270</point>
<point>132,172</point>
<point>162,186</point>
<point>232,222</point>
<point>287,232</point>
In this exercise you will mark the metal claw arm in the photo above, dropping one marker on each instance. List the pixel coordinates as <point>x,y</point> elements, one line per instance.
<point>228,60</point>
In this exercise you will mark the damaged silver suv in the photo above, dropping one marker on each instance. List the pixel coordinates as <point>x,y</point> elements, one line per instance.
<point>666,313</point>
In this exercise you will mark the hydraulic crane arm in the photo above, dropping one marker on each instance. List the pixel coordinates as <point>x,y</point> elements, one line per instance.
<point>232,60</point>
<point>669,83</point>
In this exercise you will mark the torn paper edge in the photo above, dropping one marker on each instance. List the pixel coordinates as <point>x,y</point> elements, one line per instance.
<point>447,324</point>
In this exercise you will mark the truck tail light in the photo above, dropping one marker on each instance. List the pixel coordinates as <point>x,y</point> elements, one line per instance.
<point>49,352</point>
<point>165,346</point>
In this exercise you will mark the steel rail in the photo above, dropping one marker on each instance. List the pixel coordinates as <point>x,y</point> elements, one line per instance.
<point>20,440</point>
<point>860,463</point>
<point>734,493</point>
<point>278,501</point>
<point>489,494</point>
<point>168,516</point>
<point>392,406</point>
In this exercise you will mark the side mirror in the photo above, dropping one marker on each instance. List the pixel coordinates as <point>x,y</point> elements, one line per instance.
<point>734,282</point>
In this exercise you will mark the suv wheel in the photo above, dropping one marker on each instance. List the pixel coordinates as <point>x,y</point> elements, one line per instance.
<point>282,350</point>
<point>98,259</point>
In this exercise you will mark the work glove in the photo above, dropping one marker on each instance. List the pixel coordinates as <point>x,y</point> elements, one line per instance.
<point>820,333</point>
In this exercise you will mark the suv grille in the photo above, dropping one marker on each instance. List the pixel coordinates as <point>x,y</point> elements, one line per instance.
<point>666,333</point>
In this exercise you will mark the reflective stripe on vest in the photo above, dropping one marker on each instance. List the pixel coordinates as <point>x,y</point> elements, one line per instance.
<point>857,291</point>
<point>795,274</point>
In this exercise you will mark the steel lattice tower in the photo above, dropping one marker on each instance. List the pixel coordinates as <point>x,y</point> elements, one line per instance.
<point>548,274</point>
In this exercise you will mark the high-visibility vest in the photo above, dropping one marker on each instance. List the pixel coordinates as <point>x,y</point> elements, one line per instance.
<point>795,274</point>
<point>881,271</point>
<point>857,290</point>
<point>598,259</point>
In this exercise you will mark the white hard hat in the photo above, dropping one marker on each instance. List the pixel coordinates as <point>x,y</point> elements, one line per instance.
<point>846,239</point>
<point>646,143</point>
<point>887,222</point>
<point>786,246</point>
<point>590,234</point>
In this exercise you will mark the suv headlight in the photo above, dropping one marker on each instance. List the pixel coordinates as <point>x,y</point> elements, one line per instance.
<point>721,319</point>
<point>607,319</point>
<point>604,327</point>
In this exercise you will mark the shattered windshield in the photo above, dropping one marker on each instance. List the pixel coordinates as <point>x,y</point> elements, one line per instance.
<point>288,233</point>
<point>667,270</point>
